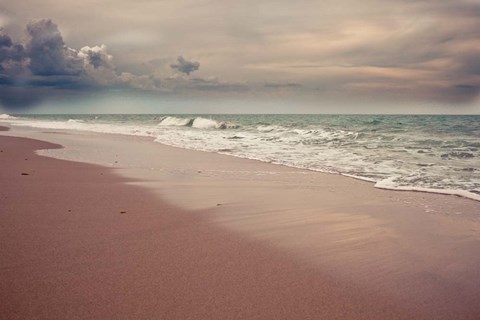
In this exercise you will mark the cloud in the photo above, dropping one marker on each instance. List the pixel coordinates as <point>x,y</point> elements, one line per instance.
<point>5,41</point>
<point>11,57</point>
<point>97,57</point>
<point>98,65</point>
<point>185,66</point>
<point>48,53</point>
<point>45,61</point>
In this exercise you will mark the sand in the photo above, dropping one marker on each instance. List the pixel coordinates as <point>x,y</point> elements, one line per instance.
<point>206,236</point>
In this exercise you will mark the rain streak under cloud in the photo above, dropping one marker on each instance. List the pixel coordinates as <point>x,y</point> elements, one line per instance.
<point>403,51</point>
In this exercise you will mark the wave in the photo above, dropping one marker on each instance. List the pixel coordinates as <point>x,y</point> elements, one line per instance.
<point>199,122</point>
<point>458,155</point>
<point>176,122</point>
<point>203,123</point>
<point>312,135</point>
<point>374,122</point>
<point>75,121</point>
<point>7,117</point>
<point>270,128</point>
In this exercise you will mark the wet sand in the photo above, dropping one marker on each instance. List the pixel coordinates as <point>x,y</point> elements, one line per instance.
<point>78,243</point>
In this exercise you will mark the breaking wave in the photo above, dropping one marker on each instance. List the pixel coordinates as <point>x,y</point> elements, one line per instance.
<point>198,122</point>
<point>75,121</point>
<point>7,116</point>
<point>176,122</point>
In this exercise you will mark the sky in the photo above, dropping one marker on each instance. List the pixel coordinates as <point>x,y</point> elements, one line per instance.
<point>222,56</point>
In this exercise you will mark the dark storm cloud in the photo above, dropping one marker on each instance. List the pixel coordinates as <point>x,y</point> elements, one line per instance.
<point>48,53</point>
<point>30,72</point>
<point>60,82</point>
<point>10,52</point>
<point>43,54</point>
<point>185,66</point>
<point>5,41</point>
<point>14,98</point>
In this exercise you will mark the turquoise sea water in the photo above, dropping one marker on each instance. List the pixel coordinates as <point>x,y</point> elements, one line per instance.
<point>435,153</point>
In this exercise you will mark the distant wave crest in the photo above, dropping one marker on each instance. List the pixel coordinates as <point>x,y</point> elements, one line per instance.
<point>199,122</point>
<point>75,121</point>
<point>176,122</point>
<point>6,117</point>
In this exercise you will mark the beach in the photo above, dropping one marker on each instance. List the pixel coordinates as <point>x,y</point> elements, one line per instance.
<point>112,226</point>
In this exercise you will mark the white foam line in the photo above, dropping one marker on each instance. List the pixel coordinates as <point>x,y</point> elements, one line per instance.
<point>359,178</point>
<point>460,193</point>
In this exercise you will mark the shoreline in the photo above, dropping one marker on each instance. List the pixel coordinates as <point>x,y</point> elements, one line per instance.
<point>375,184</point>
<point>420,251</point>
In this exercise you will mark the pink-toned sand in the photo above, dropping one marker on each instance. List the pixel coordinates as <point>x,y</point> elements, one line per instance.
<point>77,243</point>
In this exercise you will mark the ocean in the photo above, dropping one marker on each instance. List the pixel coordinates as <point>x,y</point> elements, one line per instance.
<point>430,153</point>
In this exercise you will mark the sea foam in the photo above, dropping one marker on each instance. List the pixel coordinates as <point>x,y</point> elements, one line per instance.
<point>411,156</point>
<point>6,117</point>
<point>388,184</point>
